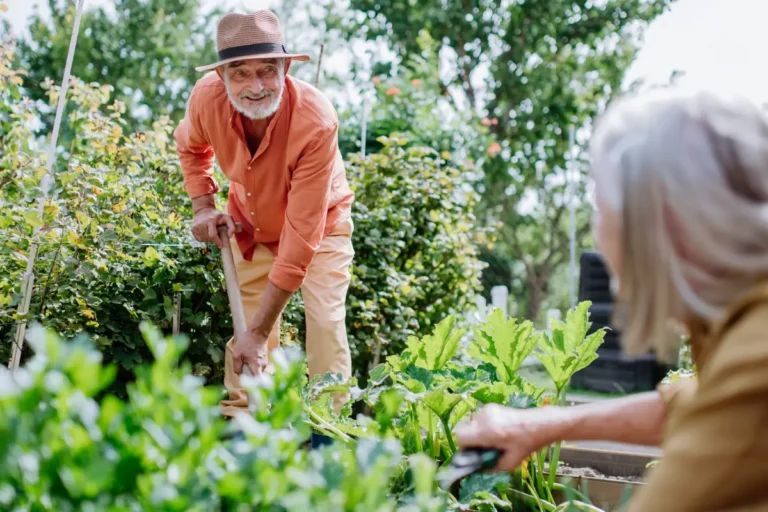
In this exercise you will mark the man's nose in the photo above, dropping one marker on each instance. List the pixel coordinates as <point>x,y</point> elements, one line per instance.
<point>256,85</point>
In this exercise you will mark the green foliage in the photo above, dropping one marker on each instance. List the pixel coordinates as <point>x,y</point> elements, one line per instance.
<point>145,49</point>
<point>549,64</point>
<point>114,245</point>
<point>567,349</point>
<point>421,394</point>
<point>66,445</point>
<point>412,101</point>
<point>503,344</point>
<point>416,256</point>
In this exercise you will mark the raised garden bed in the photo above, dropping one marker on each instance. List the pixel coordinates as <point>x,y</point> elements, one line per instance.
<point>607,477</point>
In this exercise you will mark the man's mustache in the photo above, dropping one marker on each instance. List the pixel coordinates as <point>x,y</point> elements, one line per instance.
<point>254,96</point>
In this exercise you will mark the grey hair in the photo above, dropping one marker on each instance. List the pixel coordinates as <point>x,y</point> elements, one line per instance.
<point>687,175</point>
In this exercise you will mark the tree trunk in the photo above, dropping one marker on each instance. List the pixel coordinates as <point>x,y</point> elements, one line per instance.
<point>535,298</point>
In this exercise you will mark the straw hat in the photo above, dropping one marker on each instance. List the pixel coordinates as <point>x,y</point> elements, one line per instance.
<point>250,36</point>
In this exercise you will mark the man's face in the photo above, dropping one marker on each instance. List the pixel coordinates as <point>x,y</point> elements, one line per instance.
<point>255,86</point>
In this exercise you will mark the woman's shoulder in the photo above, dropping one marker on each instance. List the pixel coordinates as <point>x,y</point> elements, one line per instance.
<point>744,327</point>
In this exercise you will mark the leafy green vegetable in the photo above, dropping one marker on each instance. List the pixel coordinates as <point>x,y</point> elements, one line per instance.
<point>503,343</point>
<point>566,350</point>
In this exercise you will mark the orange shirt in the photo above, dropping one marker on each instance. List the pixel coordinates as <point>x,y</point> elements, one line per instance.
<point>288,195</point>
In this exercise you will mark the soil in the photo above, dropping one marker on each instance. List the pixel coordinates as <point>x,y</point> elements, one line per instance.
<point>564,470</point>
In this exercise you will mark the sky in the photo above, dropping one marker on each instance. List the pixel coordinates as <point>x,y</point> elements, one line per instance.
<point>717,43</point>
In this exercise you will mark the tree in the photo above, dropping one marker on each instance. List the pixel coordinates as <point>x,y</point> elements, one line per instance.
<point>146,49</point>
<point>532,69</point>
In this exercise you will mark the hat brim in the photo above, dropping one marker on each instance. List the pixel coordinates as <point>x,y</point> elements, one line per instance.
<point>293,56</point>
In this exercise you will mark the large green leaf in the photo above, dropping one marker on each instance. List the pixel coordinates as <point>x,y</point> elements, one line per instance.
<point>565,350</point>
<point>503,343</point>
<point>434,350</point>
<point>442,402</point>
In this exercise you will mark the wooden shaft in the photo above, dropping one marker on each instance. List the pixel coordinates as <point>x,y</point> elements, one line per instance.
<point>233,290</point>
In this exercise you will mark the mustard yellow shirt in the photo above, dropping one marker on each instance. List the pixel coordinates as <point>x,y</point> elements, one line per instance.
<point>716,432</point>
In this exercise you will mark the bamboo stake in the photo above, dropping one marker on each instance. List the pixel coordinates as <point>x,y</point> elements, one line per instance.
<point>319,63</point>
<point>45,185</point>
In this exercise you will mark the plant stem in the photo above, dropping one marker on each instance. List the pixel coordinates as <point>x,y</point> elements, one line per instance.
<point>416,427</point>
<point>562,488</point>
<point>540,456</point>
<point>449,436</point>
<point>542,504</point>
<point>554,461</point>
<point>431,435</point>
<point>327,426</point>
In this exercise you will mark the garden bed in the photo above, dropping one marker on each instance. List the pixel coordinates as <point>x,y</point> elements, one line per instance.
<point>607,477</point>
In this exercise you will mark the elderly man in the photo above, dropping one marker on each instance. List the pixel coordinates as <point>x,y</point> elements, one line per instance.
<point>276,140</point>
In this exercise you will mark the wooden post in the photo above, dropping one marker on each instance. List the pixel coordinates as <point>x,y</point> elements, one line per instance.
<point>176,314</point>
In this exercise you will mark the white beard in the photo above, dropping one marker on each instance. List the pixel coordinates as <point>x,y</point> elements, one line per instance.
<point>257,112</point>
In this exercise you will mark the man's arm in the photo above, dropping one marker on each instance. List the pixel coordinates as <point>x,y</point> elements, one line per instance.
<point>301,237</point>
<point>195,152</point>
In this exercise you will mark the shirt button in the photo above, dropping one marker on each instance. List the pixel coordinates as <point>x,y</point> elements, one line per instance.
<point>257,229</point>
<point>249,167</point>
<point>251,213</point>
<point>249,194</point>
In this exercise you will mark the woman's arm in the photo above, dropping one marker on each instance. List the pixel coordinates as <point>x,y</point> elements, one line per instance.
<point>637,419</point>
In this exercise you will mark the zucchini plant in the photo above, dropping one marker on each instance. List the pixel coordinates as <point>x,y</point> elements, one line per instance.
<point>420,395</point>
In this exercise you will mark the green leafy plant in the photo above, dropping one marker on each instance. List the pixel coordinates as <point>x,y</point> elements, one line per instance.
<point>115,245</point>
<point>67,444</point>
<point>416,243</point>
<point>421,394</point>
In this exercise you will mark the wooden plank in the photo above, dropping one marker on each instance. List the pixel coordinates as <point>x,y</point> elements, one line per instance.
<point>608,495</point>
<point>607,462</point>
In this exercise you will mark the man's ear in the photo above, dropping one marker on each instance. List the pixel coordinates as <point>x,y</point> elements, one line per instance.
<point>287,65</point>
<point>220,71</point>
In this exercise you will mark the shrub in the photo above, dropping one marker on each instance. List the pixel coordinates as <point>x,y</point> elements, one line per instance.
<point>416,257</point>
<point>115,246</point>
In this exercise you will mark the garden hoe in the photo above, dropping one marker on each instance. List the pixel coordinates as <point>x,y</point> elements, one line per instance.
<point>233,289</point>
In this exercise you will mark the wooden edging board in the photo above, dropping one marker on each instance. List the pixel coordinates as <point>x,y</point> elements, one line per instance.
<point>612,463</point>
<point>608,495</point>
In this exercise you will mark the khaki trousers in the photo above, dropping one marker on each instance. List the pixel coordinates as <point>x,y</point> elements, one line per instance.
<point>324,292</point>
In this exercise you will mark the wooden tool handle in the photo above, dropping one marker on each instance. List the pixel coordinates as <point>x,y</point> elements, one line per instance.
<point>233,290</point>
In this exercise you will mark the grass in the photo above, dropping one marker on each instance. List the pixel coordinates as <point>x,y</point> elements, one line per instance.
<point>538,376</point>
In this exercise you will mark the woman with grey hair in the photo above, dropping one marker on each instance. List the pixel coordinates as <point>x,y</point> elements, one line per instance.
<point>681,190</point>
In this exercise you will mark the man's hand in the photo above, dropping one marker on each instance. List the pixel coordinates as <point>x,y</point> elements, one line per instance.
<point>251,350</point>
<point>205,226</point>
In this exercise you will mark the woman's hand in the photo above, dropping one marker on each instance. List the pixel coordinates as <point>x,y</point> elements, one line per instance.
<point>636,419</point>
<point>516,432</point>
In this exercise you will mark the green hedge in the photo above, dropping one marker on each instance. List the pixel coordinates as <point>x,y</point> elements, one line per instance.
<point>116,248</point>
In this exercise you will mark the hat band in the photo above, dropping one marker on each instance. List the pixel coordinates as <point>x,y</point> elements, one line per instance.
<point>251,49</point>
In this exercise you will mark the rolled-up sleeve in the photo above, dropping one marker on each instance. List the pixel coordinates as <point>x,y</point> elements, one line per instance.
<point>716,441</point>
<point>195,153</point>
<point>306,212</point>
